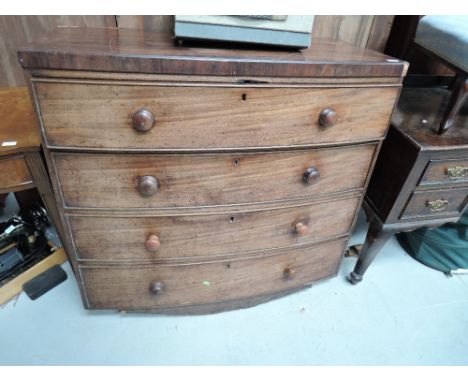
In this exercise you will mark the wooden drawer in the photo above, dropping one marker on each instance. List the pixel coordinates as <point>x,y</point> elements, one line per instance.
<point>99,115</point>
<point>113,181</point>
<point>445,172</point>
<point>196,236</point>
<point>14,172</point>
<point>436,203</point>
<point>152,287</point>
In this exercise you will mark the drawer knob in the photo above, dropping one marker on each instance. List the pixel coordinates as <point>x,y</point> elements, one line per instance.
<point>147,185</point>
<point>288,273</point>
<point>157,288</point>
<point>143,120</point>
<point>152,243</point>
<point>327,117</point>
<point>311,175</point>
<point>300,227</point>
<point>437,205</point>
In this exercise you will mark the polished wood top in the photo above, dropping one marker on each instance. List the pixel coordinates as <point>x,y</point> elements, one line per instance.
<point>17,122</point>
<point>418,115</point>
<point>138,51</point>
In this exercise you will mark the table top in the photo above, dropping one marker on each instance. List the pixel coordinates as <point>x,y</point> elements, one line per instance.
<point>418,115</point>
<point>138,51</point>
<point>18,127</point>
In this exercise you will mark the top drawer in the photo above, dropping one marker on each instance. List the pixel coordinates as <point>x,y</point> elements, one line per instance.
<point>443,172</point>
<point>103,115</point>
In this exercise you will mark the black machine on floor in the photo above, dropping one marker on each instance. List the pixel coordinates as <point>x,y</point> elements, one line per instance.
<point>23,241</point>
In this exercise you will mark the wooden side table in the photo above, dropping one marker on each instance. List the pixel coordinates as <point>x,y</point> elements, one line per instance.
<point>420,178</point>
<point>22,168</point>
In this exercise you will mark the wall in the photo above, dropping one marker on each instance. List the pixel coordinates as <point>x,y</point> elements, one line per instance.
<point>16,31</point>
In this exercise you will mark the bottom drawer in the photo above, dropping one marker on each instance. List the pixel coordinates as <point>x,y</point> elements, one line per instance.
<point>165,286</point>
<point>436,203</point>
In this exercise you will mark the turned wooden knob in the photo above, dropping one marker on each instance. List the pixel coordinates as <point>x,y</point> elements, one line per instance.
<point>311,175</point>
<point>327,117</point>
<point>288,273</point>
<point>143,120</point>
<point>152,243</point>
<point>147,185</point>
<point>157,287</point>
<point>300,228</point>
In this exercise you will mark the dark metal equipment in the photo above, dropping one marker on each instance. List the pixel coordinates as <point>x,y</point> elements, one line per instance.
<point>23,241</point>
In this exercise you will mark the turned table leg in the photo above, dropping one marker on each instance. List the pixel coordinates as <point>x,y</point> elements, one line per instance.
<point>376,237</point>
<point>456,101</point>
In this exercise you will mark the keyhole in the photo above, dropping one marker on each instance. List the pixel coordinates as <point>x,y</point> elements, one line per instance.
<point>231,219</point>
<point>244,96</point>
<point>236,162</point>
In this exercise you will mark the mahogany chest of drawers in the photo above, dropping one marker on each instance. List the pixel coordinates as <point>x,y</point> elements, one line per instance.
<point>195,179</point>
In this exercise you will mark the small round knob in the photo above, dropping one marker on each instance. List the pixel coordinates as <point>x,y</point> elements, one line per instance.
<point>300,228</point>
<point>152,243</point>
<point>311,175</point>
<point>327,117</point>
<point>288,273</point>
<point>157,287</point>
<point>147,185</point>
<point>143,120</point>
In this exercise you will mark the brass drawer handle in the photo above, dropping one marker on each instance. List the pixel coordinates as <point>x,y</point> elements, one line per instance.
<point>457,173</point>
<point>437,205</point>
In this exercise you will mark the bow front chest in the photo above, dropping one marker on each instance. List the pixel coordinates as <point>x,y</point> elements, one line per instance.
<point>196,179</point>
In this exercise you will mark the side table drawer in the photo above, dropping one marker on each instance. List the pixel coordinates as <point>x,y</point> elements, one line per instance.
<point>445,172</point>
<point>436,203</point>
<point>14,172</point>
<point>152,287</point>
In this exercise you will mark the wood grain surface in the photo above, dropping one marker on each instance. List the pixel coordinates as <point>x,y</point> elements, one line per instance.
<point>419,114</point>
<point>360,30</point>
<point>210,235</point>
<point>14,173</point>
<point>18,124</point>
<point>396,168</point>
<point>17,31</point>
<point>111,181</point>
<point>176,79</point>
<point>378,34</point>
<point>99,115</point>
<point>136,51</point>
<point>129,288</point>
<point>354,29</point>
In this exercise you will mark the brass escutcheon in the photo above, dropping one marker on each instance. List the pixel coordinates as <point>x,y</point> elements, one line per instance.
<point>437,205</point>
<point>458,172</point>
